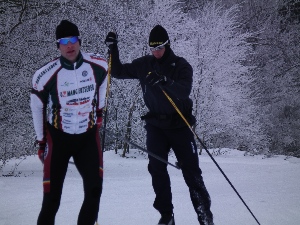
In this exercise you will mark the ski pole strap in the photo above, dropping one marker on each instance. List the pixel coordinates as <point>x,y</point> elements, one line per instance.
<point>102,129</point>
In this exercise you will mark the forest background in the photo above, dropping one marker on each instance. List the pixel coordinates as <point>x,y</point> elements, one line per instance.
<point>245,55</point>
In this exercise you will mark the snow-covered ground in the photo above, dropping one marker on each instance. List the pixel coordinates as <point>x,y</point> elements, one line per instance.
<point>269,186</point>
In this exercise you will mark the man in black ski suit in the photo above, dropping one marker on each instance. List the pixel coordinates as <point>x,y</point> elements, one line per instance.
<point>165,128</point>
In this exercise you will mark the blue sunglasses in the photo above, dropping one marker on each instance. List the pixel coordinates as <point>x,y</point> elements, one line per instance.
<point>65,41</point>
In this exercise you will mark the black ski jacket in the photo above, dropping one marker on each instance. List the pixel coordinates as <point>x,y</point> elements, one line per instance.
<point>179,74</point>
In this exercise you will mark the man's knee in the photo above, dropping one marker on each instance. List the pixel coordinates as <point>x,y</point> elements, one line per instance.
<point>96,192</point>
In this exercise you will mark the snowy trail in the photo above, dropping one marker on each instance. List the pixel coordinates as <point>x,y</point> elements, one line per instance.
<point>270,187</point>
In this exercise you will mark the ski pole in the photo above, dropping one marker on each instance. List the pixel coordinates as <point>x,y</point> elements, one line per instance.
<point>204,146</point>
<point>106,99</point>
<point>139,147</point>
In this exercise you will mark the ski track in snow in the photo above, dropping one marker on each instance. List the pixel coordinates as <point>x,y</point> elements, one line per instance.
<point>269,186</point>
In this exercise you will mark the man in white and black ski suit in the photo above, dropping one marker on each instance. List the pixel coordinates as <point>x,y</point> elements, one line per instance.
<point>165,129</point>
<point>67,98</point>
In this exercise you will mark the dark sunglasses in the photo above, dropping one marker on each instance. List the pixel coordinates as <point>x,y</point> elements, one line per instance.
<point>152,49</point>
<point>65,41</point>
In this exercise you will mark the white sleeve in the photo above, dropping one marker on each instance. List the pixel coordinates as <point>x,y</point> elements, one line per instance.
<point>37,115</point>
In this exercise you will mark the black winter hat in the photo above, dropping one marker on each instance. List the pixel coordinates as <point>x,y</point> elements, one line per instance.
<point>66,29</point>
<point>158,36</point>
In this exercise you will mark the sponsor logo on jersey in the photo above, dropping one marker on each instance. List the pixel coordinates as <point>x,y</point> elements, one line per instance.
<point>66,121</point>
<point>83,113</point>
<point>72,102</point>
<point>86,80</point>
<point>80,101</point>
<point>63,94</point>
<point>44,72</point>
<point>66,84</point>
<point>67,114</point>
<point>83,121</point>
<point>81,90</point>
<point>83,126</point>
<point>84,73</point>
<point>97,57</point>
<point>69,109</point>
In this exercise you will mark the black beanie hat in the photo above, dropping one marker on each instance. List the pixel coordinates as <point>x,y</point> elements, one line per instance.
<point>158,36</point>
<point>66,29</point>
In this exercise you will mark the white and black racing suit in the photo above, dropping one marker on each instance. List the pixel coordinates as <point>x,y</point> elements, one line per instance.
<point>66,99</point>
<point>74,93</point>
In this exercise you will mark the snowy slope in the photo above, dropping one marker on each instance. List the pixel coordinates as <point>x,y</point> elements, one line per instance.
<point>269,186</point>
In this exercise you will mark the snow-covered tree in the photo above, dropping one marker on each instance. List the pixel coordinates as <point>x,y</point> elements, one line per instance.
<point>221,76</point>
<point>277,79</point>
<point>235,104</point>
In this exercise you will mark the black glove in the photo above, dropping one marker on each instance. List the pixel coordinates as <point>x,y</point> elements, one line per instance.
<point>153,78</point>
<point>111,38</point>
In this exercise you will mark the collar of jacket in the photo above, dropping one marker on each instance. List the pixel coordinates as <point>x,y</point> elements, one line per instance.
<point>70,66</point>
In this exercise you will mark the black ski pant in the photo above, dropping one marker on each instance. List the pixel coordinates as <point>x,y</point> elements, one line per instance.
<point>86,152</point>
<point>181,140</point>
